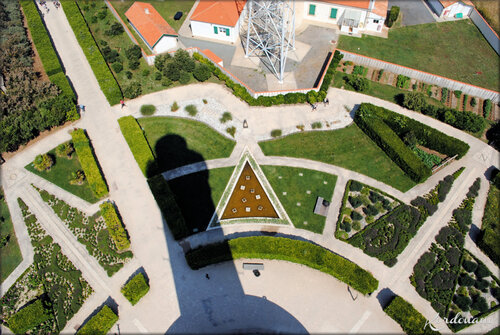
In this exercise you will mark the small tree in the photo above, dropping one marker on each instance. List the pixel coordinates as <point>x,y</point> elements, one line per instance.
<point>473,102</point>
<point>114,30</point>
<point>133,90</point>
<point>184,77</point>
<point>133,64</point>
<point>191,109</point>
<point>226,116</point>
<point>172,71</point>
<point>201,72</point>
<point>65,150</point>
<point>184,61</point>
<point>133,53</point>
<point>117,67</point>
<point>43,162</point>
<point>414,101</point>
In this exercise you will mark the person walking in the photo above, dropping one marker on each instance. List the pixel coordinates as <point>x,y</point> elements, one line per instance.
<point>207,276</point>
<point>122,103</point>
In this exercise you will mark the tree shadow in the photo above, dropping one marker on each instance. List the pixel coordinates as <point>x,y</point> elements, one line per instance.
<point>212,299</point>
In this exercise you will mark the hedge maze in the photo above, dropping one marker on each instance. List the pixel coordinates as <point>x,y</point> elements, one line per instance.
<point>94,232</point>
<point>52,289</point>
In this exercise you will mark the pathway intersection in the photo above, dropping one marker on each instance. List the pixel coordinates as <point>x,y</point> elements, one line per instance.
<point>287,296</point>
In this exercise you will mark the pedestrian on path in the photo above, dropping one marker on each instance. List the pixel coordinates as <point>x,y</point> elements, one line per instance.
<point>122,103</point>
<point>207,276</point>
<point>82,107</point>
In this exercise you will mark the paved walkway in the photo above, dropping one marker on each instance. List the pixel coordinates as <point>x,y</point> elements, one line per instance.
<point>181,299</point>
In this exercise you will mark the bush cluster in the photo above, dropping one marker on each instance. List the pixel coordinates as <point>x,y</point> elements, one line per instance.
<point>100,323</point>
<point>359,84</point>
<point>138,145</point>
<point>105,78</point>
<point>114,225</point>
<point>408,317</point>
<point>168,206</point>
<point>89,163</point>
<point>265,247</point>
<point>29,317</point>
<point>135,289</point>
<point>392,145</point>
<point>393,16</point>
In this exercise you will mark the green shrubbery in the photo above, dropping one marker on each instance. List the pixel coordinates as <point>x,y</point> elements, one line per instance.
<point>408,317</point>
<point>148,110</point>
<point>100,323</point>
<point>359,84</point>
<point>168,206</point>
<point>403,82</point>
<point>105,78</point>
<point>114,225</point>
<point>89,163</point>
<point>264,247</point>
<point>487,108</point>
<point>276,133</point>
<point>43,162</point>
<point>393,16</point>
<point>29,317</point>
<point>135,289</point>
<point>392,145</point>
<point>138,145</point>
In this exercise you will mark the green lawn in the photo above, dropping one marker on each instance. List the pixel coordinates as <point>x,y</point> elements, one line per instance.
<point>60,175</point>
<point>490,228</point>
<point>10,254</point>
<point>176,142</point>
<point>456,50</point>
<point>288,179</point>
<point>198,194</point>
<point>347,147</point>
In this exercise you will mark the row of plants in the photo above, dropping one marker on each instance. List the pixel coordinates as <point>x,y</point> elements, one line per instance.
<point>10,254</point>
<point>266,247</point>
<point>389,235</point>
<point>410,320</point>
<point>392,145</point>
<point>138,144</point>
<point>45,49</point>
<point>52,281</point>
<point>100,323</point>
<point>90,167</point>
<point>115,226</point>
<point>490,227</point>
<point>31,103</point>
<point>289,98</point>
<point>455,282</point>
<point>103,74</point>
<point>91,231</point>
<point>135,288</point>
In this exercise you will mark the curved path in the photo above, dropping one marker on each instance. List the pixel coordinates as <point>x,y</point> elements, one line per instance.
<point>179,297</point>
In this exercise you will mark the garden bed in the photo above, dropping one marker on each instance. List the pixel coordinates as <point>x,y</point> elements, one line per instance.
<point>10,254</point>
<point>490,228</point>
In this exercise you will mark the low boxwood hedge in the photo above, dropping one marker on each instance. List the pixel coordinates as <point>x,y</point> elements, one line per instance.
<point>135,289</point>
<point>100,323</point>
<point>266,247</point>
<point>90,167</point>
<point>103,74</point>
<point>28,317</point>
<point>115,226</point>
<point>138,145</point>
<point>392,145</point>
<point>408,317</point>
<point>168,206</point>
<point>45,48</point>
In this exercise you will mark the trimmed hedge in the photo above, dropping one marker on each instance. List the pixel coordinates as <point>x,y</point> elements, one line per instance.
<point>428,136</point>
<point>90,167</point>
<point>392,145</point>
<point>168,206</point>
<point>115,226</point>
<point>135,289</point>
<point>408,317</point>
<point>28,317</point>
<point>103,74</point>
<point>138,144</point>
<point>45,48</point>
<point>100,323</point>
<point>266,247</point>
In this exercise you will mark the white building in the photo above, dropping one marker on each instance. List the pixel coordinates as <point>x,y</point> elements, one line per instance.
<point>158,35</point>
<point>451,8</point>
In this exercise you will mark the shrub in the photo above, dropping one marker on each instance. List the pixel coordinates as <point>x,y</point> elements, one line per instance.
<point>65,149</point>
<point>138,145</point>
<point>482,271</point>
<point>133,90</point>
<point>100,323</point>
<point>184,77</point>
<point>89,164</point>
<point>464,102</point>
<point>403,82</point>
<point>168,206</point>
<point>355,201</point>
<point>148,110</point>
<point>379,75</point>
<point>487,108</point>
<point>117,67</point>
<point>481,284</point>
<point>359,84</point>
<point>276,133</point>
<point>355,186</point>
<point>444,94</point>
<point>114,225</point>
<point>473,102</point>
<point>175,107</point>
<point>480,304</point>
<point>135,289</point>
<point>391,262</point>
<point>105,78</point>
<point>145,72</point>
<point>469,266</point>
<point>201,72</point>
<point>128,74</point>
<point>466,280</point>
<point>172,71</point>
<point>462,302</point>
<point>316,125</point>
<point>296,251</point>
<point>191,109</point>
<point>133,64</point>
<point>231,130</point>
<point>43,162</point>
<point>115,30</point>
<point>226,116</point>
<point>457,94</point>
<point>393,16</point>
<point>414,101</point>
<point>370,210</point>
<point>356,216</point>
<point>158,76</point>
<point>133,53</point>
<point>77,177</point>
<point>184,61</point>
<point>360,70</point>
<point>28,317</point>
<point>356,225</point>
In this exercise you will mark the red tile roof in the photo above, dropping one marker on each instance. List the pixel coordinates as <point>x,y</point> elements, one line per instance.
<point>363,4</point>
<point>447,3</point>
<point>225,12</point>
<point>380,7</point>
<point>150,24</point>
<point>212,56</point>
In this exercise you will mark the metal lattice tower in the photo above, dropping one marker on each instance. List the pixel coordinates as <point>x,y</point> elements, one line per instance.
<point>269,32</point>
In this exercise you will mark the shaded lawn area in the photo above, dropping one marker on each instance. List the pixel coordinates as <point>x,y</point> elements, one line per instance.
<point>198,194</point>
<point>10,254</point>
<point>177,142</point>
<point>456,50</point>
<point>60,174</point>
<point>348,147</point>
<point>288,179</point>
<point>167,10</point>
<point>490,228</point>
